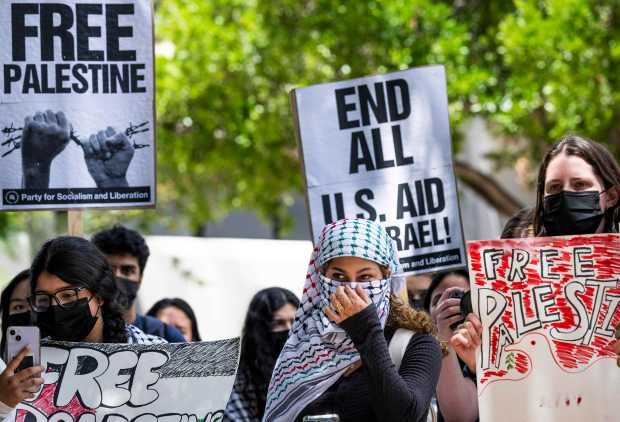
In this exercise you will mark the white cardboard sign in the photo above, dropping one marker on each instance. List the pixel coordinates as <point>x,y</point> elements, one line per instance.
<point>181,382</point>
<point>549,307</point>
<point>379,148</point>
<point>77,115</point>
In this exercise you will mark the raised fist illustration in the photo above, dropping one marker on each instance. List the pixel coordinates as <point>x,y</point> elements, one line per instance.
<point>108,155</point>
<point>45,135</point>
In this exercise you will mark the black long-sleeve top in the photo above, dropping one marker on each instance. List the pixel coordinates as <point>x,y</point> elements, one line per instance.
<point>377,392</point>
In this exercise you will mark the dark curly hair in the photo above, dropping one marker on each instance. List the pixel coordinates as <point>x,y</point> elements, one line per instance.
<point>120,240</point>
<point>181,305</point>
<point>258,354</point>
<point>5,302</point>
<point>78,262</point>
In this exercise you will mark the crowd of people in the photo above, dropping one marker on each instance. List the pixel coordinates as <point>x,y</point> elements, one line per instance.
<point>352,346</point>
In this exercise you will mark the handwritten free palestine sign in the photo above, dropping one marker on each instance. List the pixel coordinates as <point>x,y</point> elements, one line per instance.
<point>379,148</point>
<point>549,308</point>
<point>182,382</point>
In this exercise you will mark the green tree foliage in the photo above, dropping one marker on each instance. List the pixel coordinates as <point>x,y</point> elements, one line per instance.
<point>534,69</point>
<point>225,68</point>
<point>559,61</point>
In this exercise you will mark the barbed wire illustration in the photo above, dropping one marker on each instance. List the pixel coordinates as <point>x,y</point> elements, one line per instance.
<point>13,140</point>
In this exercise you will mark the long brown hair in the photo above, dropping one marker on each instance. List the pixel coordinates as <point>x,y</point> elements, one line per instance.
<point>593,153</point>
<point>404,316</point>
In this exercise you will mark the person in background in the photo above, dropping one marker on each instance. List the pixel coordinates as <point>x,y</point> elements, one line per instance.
<point>337,359</point>
<point>22,385</point>
<point>577,192</point>
<point>177,313</point>
<point>127,252</point>
<point>519,225</point>
<point>269,318</point>
<point>457,397</point>
<point>75,296</point>
<point>417,287</point>
<point>14,304</point>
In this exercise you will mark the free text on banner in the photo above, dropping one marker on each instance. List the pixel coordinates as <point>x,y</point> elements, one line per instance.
<point>549,307</point>
<point>379,148</point>
<point>181,382</point>
<point>77,114</point>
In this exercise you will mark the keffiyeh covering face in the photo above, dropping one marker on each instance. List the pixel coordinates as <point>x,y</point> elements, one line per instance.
<point>317,351</point>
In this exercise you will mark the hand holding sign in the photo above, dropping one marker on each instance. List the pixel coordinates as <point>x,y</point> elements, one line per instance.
<point>45,135</point>
<point>17,387</point>
<point>108,155</point>
<point>466,339</point>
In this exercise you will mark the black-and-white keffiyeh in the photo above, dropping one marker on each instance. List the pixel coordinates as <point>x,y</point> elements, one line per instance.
<point>137,336</point>
<point>243,405</point>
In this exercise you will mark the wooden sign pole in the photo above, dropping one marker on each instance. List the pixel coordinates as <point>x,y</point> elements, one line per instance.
<point>75,224</point>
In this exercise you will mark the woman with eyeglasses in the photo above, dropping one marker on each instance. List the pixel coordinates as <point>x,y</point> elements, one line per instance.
<point>75,295</point>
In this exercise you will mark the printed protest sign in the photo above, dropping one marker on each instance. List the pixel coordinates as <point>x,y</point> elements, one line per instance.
<point>549,308</point>
<point>379,148</point>
<point>76,104</point>
<point>184,382</point>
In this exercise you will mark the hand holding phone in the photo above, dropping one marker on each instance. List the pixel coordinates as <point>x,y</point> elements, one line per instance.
<point>21,385</point>
<point>20,337</point>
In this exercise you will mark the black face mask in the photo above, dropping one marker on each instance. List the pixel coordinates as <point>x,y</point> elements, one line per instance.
<point>130,289</point>
<point>569,213</point>
<point>22,319</point>
<point>72,324</point>
<point>278,339</point>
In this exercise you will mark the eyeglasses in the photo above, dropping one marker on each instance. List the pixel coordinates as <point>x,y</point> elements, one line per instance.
<point>65,298</point>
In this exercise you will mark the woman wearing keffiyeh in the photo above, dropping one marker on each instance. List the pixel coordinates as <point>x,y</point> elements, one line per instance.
<point>336,358</point>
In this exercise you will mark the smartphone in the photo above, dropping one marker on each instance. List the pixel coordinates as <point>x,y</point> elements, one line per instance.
<point>20,337</point>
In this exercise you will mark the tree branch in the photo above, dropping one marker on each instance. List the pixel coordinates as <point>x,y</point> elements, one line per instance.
<point>489,189</point>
